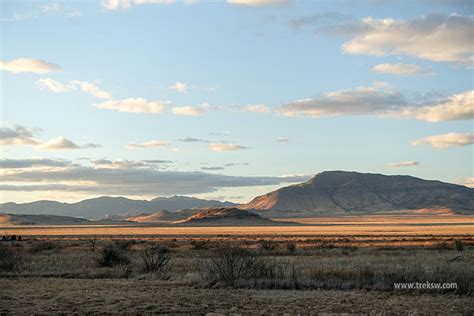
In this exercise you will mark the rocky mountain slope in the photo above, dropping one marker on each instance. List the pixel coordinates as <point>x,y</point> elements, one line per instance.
<point>341,192</point>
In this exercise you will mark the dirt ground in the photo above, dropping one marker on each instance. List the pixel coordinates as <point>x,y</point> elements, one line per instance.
<point>52,295</point>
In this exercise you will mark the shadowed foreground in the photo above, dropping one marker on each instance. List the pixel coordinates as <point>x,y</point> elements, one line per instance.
<point>52,295</point>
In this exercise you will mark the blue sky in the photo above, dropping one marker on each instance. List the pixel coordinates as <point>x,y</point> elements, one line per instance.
<point>229,100</point>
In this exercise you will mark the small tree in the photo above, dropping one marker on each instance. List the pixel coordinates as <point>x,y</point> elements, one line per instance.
<point>155,258</point>
<point>291,247</point>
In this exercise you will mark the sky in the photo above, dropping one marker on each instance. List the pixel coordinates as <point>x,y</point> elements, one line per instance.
<point>230,99</point>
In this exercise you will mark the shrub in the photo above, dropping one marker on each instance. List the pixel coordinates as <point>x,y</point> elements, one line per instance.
<point>267,245</point>
<point>291,247</point>
<point>199,244</point>
<point>9,258</point>
<point>113,255</point>
<point>40,246</point>
<point>459,245</point>
<point>155,258</point>
<point>232,264</point>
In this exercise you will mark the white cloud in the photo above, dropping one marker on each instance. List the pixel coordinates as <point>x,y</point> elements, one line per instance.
<point>151,143</point>
<point>18,135</point>
<point>36,66</point>
<point>54,85</point>
<point>410,163</point>
<point>456,107</point>
<point>191,110</point>
<point>435,37</point>
<point>381,100</point>
<point>358,101</point>
<point>446,140</point>
<point>179,87</point>
<point>126,4</point>
<point>282,140</point>
<point>399,69</point>
<point>134,105</point>
<point>85,86</point>
<point>51,7</point>
<point>226,147</point>
<point>256,108</point>
<point>126,164</point>
<point>257,3</point>
<point>92,89</point>
<point>62,143</point>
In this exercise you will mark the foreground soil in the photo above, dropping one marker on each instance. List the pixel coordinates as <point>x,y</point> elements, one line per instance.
<point>52,295</point>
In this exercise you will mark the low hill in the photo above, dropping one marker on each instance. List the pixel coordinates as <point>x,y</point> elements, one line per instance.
<point>12,219</point>
<point>227,216</point>
<point>160,217</point>
<point>341,192</point>
<point>109,207</point>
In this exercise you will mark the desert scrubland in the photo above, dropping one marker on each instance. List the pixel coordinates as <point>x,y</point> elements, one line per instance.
<point>327,265</point>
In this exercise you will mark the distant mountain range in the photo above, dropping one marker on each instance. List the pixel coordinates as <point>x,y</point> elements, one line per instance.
<point>328,193</point>
<point>109,207</point>
<point>342,192</point>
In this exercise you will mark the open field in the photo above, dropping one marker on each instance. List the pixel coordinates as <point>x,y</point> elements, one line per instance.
<point>331,265</point>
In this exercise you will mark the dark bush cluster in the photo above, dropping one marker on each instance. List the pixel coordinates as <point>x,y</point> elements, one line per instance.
<point>113,255</point>
<point>9,258</point>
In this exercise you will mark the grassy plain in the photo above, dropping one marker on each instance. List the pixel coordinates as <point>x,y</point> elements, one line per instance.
<point>328,265</point>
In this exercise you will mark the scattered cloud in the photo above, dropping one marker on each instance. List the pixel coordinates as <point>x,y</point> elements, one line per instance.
<point>18,135</point>
<point>212,168</point>
<point>193,140</point>
<point>191,110</point>
<point>32,162</point>
<point>151,143</point>
<point>282,140</point>
<point>437,38</point>
<point>62,143</point>
<point>126,4</point>
<point>317,19</point>
<point>139,181</point>
<point>446,140</point>
<point>256,108</point>
<point>257,3</point>
<point>381,100</point>
<point>358,101</point>
<point>92,89</point>
<point>85,86</point>
<point>21,65</point>
<point>50,7</point>
<point>134,105</point>
<point>410,163</point>
<point>226,147</point>
<point>456,107</point>
<point>124,164</point>
<point>400,69</point>
<point>179,87</point>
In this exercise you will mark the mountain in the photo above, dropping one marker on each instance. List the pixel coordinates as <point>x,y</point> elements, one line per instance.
<point>227,216</point>
<point>109,207</point>
<point>342,192</point>
<point>11,219</point>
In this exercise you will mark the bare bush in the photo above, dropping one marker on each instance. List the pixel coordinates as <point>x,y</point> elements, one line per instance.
<point>113,255</point>
<point>291,247</point>
<point>459,245</point>
<point>9,258</point>
<point>44,245</point>
<point>231,264</point>
<point>267,245</point>
<point>199,244</point>
<point>156,258</point>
